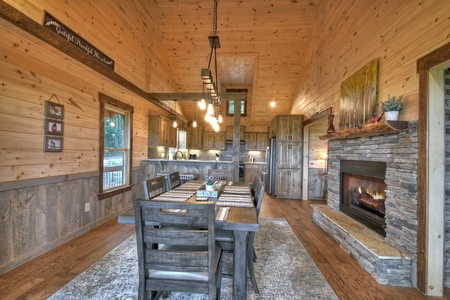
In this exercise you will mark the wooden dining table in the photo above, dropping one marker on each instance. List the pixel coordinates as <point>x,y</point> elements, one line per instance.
<point>241,220</point>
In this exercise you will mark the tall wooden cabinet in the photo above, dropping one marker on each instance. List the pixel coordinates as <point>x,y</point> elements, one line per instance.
<point>161,132</point>
<point>288,131</point>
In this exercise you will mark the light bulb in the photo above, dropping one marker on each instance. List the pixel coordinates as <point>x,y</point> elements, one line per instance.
<point>220,119</point>
<point>175,124</point>
<point>194,124</point>
<point>207,116</point>
<point>272,104</point>
<point>202,104</point>
<point>210,109</point>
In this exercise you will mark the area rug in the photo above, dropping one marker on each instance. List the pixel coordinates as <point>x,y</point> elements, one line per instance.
<point>284,270</point>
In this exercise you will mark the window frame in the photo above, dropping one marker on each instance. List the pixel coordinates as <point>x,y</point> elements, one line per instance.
<point>114,104</point>
<point>244,114</point>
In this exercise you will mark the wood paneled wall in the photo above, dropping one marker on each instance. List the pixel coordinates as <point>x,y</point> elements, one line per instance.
<point>348,34</point>
<point>43,194</point>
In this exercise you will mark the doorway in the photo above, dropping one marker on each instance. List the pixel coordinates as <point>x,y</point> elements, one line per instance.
<point>432,148</point>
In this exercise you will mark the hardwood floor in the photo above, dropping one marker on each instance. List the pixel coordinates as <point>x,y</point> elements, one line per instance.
<point>41,277</point>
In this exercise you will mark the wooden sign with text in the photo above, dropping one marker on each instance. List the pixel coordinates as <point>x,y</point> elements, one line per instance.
<point>54,25</point>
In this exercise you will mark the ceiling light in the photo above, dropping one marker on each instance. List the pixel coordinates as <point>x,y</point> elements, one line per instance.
<point>272,104</point>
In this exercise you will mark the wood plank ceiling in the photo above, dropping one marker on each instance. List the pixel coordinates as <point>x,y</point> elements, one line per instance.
<point>263,46</point>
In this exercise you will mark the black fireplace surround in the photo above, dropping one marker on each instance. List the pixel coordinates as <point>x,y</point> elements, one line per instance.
<point>363,192</point>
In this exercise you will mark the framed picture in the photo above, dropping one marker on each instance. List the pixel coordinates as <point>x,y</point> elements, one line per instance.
<point>54,110</point>
<point>53,144</point>
<point>53,127</point>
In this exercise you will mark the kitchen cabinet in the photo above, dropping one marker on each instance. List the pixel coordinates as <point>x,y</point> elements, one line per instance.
<point>289,155</point>
<point>195,137</point>
<point>250,170</point>
<point>256,141</point>
<point>213,140</point>
<point>289,183</point>
<point>161,132</point>
<point>290,129</point>
<point>229,133</point>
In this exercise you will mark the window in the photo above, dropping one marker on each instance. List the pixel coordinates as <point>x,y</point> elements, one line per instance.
<point>115,147</point>
<point>230,104</point>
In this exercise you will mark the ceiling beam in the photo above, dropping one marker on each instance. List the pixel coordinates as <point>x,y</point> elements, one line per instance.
<point>225,96</point>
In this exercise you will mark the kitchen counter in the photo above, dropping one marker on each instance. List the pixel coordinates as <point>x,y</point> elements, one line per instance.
<point>187,161</point>
<point>190,166</point>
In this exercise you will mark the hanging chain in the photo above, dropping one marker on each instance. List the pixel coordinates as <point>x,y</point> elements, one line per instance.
<point>215,18</point>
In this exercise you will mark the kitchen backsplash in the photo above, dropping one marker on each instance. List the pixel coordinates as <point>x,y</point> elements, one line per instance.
<point>226,155</point>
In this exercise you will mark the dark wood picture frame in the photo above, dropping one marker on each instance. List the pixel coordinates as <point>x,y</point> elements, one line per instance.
<point>54,110</point>
<point>53,143</point>
<point>53,127</point>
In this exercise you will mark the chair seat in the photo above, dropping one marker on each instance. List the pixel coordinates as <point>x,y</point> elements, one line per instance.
<point>224,236</point>
<point>197,276</point>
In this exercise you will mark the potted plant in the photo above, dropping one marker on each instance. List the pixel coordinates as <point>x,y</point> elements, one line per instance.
<point>209,185</point>
<point>391,107</point>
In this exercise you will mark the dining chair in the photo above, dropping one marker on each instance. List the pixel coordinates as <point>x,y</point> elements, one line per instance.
<point>154,187</point>
<point>225,238</point>
<point>174,180</point>
<point>188,259</point>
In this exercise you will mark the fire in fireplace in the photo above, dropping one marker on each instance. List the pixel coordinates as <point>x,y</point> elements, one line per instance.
<point>363,192</point>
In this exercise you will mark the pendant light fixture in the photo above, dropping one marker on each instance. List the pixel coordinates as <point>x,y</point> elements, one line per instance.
<point>206,74</point>
<point>194,124</point>
<point>202,103</point>
<point>175,123</point>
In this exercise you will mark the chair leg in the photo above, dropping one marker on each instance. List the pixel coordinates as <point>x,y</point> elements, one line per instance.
<point>254,254</point>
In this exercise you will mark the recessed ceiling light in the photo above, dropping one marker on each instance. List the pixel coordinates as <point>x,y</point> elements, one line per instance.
<point>272,103</point>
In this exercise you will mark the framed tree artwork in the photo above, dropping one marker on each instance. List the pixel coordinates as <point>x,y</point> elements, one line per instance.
<point>359,97</point>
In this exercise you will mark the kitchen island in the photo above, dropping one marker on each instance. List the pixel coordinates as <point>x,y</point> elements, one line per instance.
<point>189,166</point>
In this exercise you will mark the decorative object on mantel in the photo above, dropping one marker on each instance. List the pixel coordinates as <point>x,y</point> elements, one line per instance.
<point>359,97</point>
<point>392,107</point>
<point>376,119</point>
<point>369,130</point>
<point>330,129</point>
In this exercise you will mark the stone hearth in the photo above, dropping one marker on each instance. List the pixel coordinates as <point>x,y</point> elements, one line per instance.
<point>399,151</point>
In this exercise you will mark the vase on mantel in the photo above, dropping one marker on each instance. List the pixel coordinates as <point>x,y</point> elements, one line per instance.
<point>391,115</point>
<point>330,129</point>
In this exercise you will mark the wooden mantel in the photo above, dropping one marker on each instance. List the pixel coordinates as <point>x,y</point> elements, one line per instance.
<point>374,129</point>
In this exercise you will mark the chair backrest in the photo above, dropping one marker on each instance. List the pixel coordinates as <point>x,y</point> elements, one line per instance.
<point>258,188</point>
<point>154,187</point>
<point>221,174</point>
<point>186,261</point>
<point>174,180</point>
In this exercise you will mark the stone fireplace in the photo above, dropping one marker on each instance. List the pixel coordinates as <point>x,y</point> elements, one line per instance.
<point>372,186</point>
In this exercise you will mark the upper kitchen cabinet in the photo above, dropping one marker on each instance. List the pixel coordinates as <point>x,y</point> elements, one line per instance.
<point>256,141</point>
<point>213,140</point>
<point>230,130</point>
<point>161,132</point>
<point>289,128</point>
<point>195,137</point>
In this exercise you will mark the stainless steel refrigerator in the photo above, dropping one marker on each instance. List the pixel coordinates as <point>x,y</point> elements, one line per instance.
<point>272,166</point>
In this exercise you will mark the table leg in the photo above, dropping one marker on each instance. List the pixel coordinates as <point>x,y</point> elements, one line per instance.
<point>240,265</point>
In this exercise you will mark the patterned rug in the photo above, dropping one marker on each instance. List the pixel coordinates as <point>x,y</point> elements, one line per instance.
<point>283,270</point>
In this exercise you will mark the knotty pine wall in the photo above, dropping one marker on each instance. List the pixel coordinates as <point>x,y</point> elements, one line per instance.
<point>348,34</point>
<point>43,194</point>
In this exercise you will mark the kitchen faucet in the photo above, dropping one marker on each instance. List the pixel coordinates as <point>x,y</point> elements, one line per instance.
<point>176,154</point>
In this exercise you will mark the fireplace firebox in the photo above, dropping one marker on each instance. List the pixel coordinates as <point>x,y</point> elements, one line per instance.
<point>363,192</point>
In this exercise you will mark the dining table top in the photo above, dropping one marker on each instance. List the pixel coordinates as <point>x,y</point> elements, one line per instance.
<point>239,218</point>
